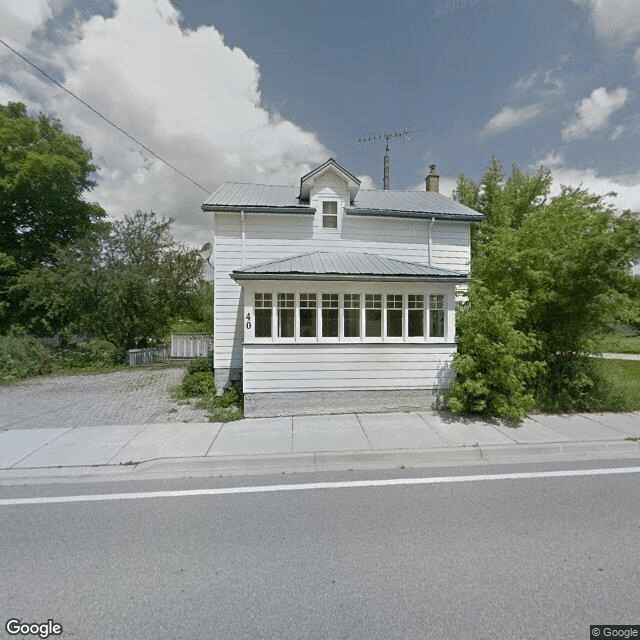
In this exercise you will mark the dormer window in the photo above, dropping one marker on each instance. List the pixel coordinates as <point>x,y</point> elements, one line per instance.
<point>329,214</point>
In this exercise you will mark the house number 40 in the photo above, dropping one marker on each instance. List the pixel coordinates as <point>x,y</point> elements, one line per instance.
<point>248,325</point>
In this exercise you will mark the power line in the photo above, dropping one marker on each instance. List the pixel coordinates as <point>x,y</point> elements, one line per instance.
<point>113,124</point>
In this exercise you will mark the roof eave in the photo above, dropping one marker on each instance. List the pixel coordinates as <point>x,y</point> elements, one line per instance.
<point>228,208</point>
<point>353,184</point>
<point>422,215</point>
<point>240,276</point>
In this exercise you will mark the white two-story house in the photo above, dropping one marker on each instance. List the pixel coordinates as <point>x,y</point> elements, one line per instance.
<point>329,298</point>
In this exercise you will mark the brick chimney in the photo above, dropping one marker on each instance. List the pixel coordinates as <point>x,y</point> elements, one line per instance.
<point>433,180</point>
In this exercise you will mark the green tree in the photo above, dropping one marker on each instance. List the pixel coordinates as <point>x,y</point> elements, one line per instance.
<point>44,175</point>
<point>494,360</point>
<point>126,284</point>
<point>567,258</point>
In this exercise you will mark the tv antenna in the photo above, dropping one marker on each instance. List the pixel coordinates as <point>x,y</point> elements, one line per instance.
<point>404,133</point>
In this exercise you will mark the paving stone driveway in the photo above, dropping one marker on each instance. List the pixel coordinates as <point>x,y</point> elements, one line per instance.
<point>135,396</point>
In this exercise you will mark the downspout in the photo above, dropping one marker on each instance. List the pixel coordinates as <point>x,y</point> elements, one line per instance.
<point>242,238</point>
<point>429,245</point>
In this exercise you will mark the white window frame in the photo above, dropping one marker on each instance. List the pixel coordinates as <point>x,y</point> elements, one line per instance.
<point>335,229</point>
<point>362,290</point>
<point>401,338</point>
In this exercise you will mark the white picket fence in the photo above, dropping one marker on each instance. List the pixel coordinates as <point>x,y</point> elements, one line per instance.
<point>138,357</point>
<point>191,345</point>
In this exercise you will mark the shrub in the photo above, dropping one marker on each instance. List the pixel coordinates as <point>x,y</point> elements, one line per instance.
<point>196,385</point>
<point>226,407</point>
<point>21,356</point>
<point>578,383</point>
<point>97,354</point>
<point>200,365</point>
<point>493,372</point>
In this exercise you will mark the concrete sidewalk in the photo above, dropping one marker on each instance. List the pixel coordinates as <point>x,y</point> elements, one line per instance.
<point>309,443</point>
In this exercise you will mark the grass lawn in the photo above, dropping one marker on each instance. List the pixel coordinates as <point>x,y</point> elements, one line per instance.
<point>625,374</point>
<point>620,343</point>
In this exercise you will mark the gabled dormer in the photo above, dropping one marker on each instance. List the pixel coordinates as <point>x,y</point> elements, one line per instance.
<point>329,189</point>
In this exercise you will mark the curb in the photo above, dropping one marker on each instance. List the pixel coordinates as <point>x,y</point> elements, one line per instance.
<point>314,461</point>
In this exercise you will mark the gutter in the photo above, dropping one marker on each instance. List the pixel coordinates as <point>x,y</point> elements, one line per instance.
<point>238,209</point>
<point>420,215</point>
<point>238,277</point>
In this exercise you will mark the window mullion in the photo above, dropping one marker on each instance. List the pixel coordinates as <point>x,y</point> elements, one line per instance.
<point>405,317</point>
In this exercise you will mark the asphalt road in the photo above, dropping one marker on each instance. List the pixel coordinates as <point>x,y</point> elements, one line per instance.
<point>505,558</point>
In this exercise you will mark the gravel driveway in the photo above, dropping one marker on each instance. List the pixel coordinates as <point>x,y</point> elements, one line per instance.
<point>135,396</point>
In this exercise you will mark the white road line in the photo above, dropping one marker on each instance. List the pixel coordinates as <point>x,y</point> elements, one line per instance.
<point>317,485</point>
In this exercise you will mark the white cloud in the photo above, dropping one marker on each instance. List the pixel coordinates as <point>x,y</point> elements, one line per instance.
<point>615,21</point>
<point>509,117</point>
<point>593,112</point>
<point>626,185</point>
<point>184,93</point>
<point>551,161</point>
<point>531,95</point>
<point>19,19</point>
<point>366,183</point>
<point>636,57</point>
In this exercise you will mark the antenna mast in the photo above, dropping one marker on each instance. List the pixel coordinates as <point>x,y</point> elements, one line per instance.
<point>387,136</point>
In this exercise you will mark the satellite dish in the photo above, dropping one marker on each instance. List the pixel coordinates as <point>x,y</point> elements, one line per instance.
<point>205,251</point>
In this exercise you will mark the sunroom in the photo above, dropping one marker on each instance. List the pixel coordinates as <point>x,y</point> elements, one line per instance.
<point>335,332</point>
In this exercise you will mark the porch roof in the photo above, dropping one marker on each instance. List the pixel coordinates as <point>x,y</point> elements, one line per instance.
<point>320,265</point>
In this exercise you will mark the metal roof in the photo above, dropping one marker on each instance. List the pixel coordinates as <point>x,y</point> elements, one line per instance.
<point>321,265</point>
<point>241,194</point>
<point>410,204</point>
<point>237,196</point>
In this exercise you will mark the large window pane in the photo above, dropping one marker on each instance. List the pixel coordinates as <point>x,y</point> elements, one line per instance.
<point>373,315</point>
<point>329,315</point>
<point>308,303</point>
<point>286,318</point>
<point>394,316</point>
<point>436,316</point>
<point>415,310</point>
<point>262,309</point>
<point>351,315</point>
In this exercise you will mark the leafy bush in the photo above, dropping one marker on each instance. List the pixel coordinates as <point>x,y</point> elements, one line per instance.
<point>579,383</point>
<point>224,408</point>
<point>97,354</point>
<point>200,365</point>
<point>493,373</point>
<point>21,356</point>
<point>197,385</point>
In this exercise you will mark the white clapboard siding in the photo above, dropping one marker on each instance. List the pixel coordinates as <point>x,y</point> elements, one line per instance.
<point>272,237</point>
<point>346,367</point>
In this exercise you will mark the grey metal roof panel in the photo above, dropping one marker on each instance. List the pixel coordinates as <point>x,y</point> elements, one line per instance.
<point>406,204</point>
<point>320,263</point>
<point>383,202</point>
<point>239,194</point>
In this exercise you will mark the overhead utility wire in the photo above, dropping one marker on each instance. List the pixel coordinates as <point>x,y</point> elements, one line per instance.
<point>113,124</point>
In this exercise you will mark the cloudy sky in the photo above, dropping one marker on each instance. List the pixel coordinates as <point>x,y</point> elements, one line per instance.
<point>262,91</point>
